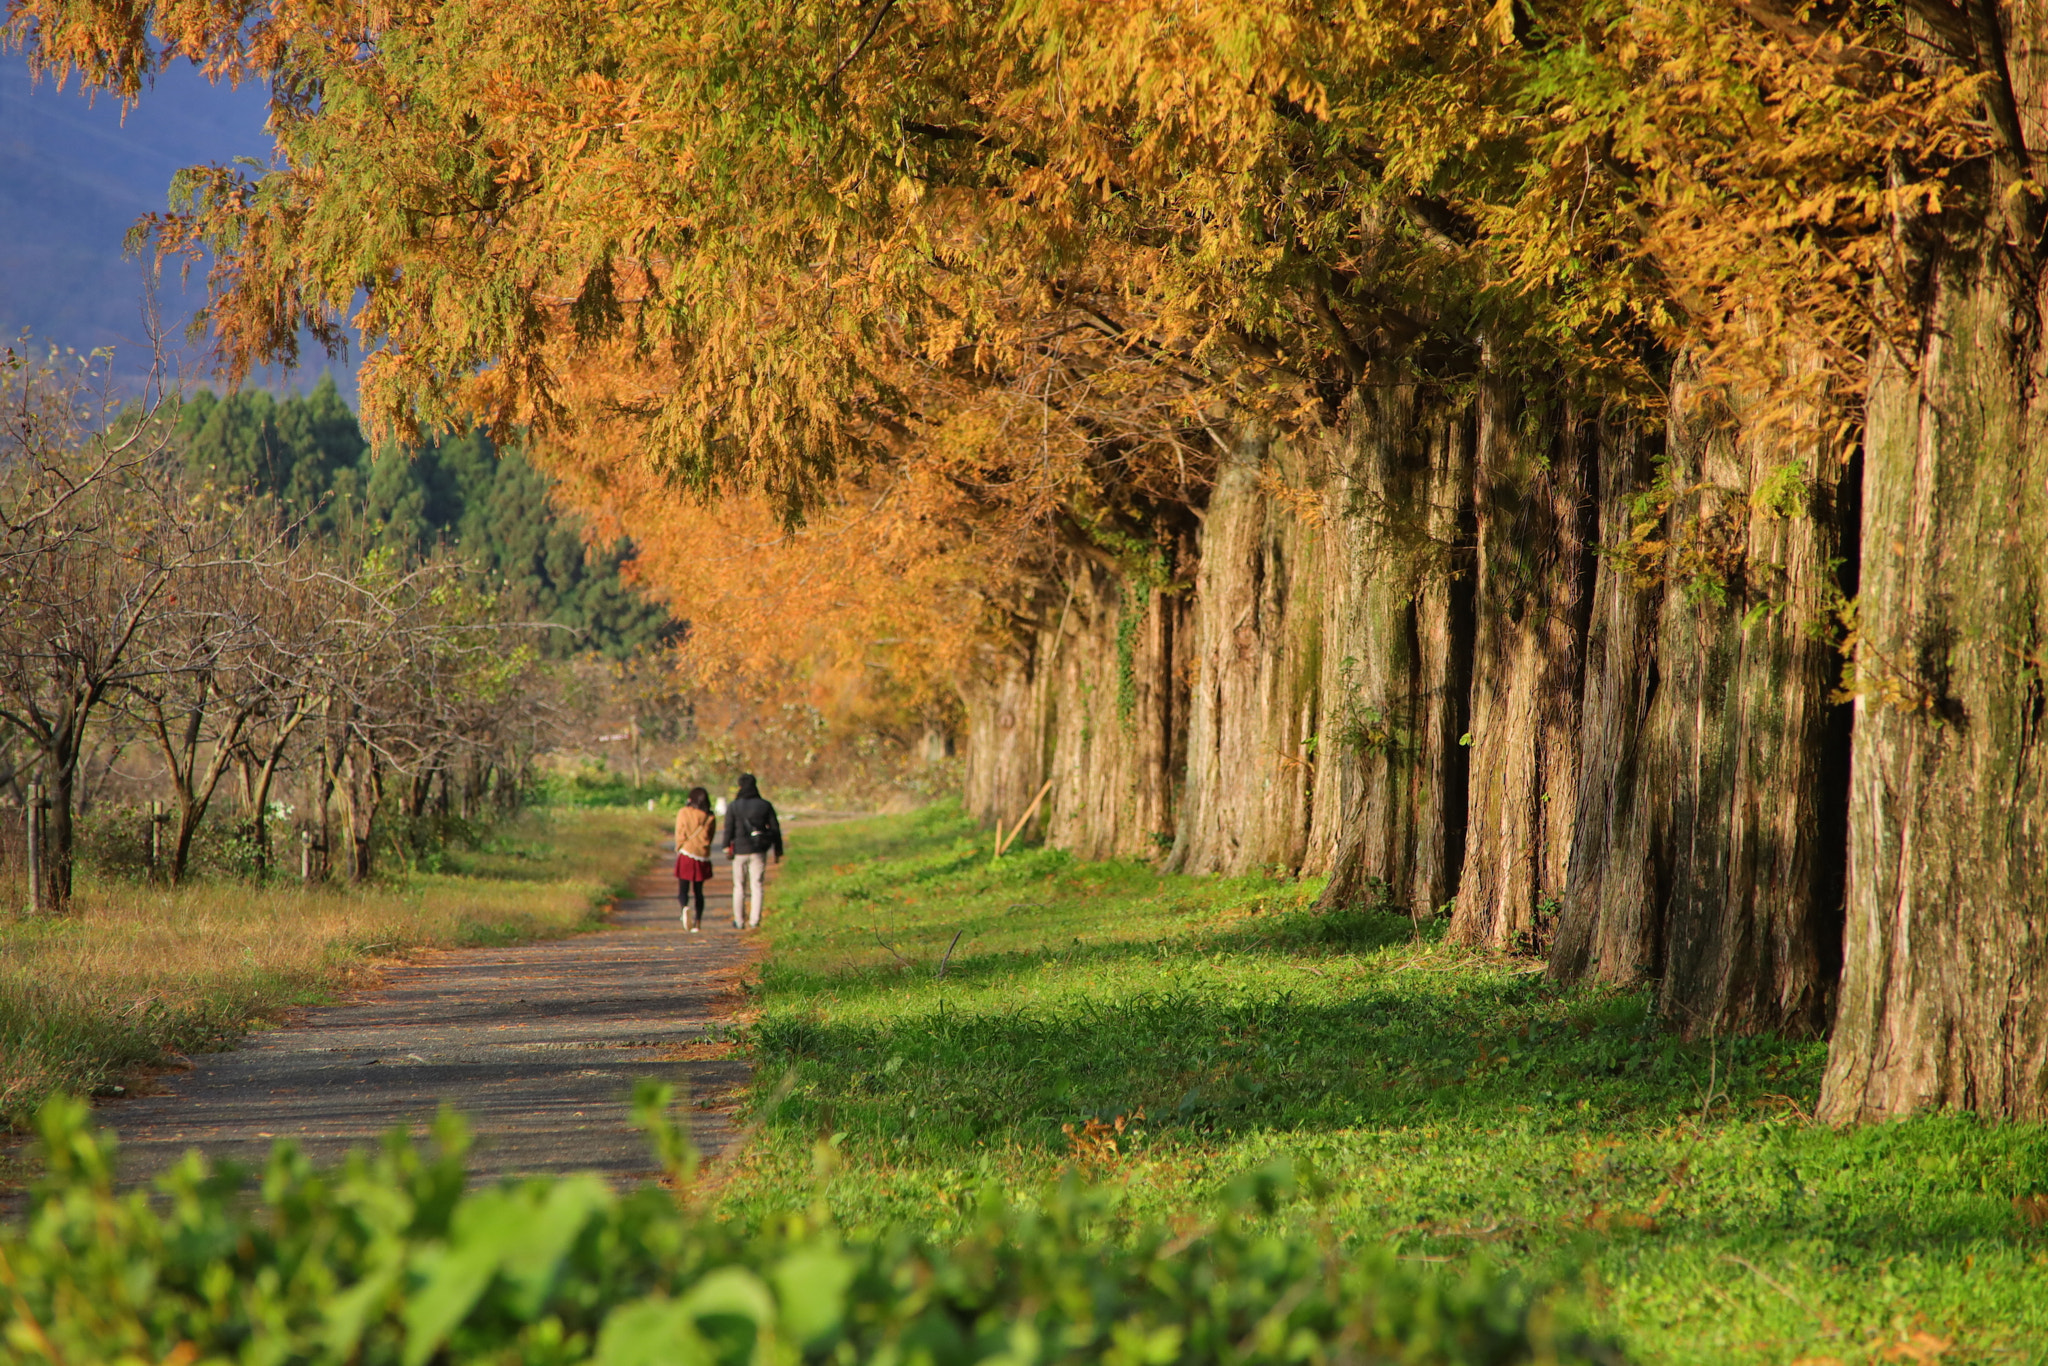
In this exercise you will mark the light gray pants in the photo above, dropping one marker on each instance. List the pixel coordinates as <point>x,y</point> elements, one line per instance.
<point>748,870</point>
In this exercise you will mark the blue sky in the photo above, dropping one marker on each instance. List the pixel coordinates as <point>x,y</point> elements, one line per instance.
<point>75,175</point>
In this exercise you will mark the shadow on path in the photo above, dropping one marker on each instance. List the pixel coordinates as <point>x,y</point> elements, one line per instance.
<point>538,1045</point>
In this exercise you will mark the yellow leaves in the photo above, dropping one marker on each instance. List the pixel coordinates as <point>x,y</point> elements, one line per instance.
<point>1031,250</point>
<point>1500,23</point>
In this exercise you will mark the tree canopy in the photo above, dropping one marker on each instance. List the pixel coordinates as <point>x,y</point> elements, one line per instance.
<point>1638,397</point>
<point>1044,250</point>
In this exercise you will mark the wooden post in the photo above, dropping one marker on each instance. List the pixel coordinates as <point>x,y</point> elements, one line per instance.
<point>156,838</point>
<point>305,855</point>
<point>1018,828</point>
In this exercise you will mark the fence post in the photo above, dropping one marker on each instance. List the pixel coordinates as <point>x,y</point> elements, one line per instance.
<point>32,817</point>
<point>156,838</point>
<point>305,856</point>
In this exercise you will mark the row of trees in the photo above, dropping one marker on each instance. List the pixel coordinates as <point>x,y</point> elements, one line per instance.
<point>1572,462</point>
<point>235,640</point>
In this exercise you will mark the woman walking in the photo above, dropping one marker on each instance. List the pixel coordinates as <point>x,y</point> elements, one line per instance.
<point>694,827</point>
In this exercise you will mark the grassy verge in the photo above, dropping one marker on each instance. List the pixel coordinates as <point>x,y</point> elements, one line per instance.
<point>1167,1034</point>
<point>136,974</point>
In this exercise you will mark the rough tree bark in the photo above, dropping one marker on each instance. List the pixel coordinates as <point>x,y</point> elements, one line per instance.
<point>1111,718</point>
<point>1704,858</point>
<point>1944,996</point>
<point>1533,500</point>
<point>1258,662</point>
<point>1390,779</point>
<point>1092,695</point>
<point>1751,896</point>
<point>1005,760</point>
<point>362,790</point>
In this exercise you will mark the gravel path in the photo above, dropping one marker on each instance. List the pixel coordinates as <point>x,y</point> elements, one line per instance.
<point>539,1045</point>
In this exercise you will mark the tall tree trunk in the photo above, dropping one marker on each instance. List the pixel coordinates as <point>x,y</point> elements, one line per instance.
<point>332,738</point>
<point>1254,714</point>
<point>60,847</point>
<point>1944,997</point>
<point>1750,894</point>
<point>419,786</point>
<point>1391,775</point>
<point>1111,788</point>
<point>265,775</point>
<point>259,808</point>
<point>194,789</point>
<point>61,742</point>
<point>1706,857</point>
<point>1534,506</point>
<point>1611,926</point>
<point>1090,698</point>
<point>1006,728</point>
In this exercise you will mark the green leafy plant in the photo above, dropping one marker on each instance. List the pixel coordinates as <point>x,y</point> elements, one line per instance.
<point>390,1260</point>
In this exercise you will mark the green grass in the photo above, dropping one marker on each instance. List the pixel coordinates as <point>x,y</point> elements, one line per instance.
<point>1457,1106</point>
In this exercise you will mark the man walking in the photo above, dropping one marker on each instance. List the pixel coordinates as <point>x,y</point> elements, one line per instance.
<point>751,834</point>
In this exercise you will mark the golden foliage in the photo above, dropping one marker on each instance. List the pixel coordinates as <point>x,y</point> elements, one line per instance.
<point>959,276</point>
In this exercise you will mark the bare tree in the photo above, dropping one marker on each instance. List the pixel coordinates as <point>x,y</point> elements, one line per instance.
<point>99,530</point>
<point>224,659</point>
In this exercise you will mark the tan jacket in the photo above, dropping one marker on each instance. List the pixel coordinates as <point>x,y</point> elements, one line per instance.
<point>693,832</point>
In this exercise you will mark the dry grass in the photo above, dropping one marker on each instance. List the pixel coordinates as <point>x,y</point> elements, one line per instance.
<point>136,975</point>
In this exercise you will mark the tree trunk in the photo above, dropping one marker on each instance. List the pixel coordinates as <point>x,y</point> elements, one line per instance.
<point>362,793</point>
<point>60,847</point>
<point>331,741</point>
<point>1611,926</point>
<point>1944,997</point>
<point>193,788</point>
<point>419,788</point>
<point>1751,897</point>
<point>1534,506</point>
<point>1091,698</point>
<point>1006,742</point>
<point>1254,714</point>
<point>1707,855</point>
<point>1109,689</point>
<point>1391,775</point>
<point>259,808</point>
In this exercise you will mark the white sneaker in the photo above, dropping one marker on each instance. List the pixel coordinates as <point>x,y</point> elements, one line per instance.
<point>693,929</point>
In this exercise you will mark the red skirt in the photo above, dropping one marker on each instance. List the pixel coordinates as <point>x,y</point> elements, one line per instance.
<point>690,868</point>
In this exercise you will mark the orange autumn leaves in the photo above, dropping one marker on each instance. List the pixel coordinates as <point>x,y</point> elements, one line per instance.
<point>872,610</point>
<point>967,278</point>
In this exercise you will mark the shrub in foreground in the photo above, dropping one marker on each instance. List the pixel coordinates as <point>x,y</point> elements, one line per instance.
<point>389,1260</point>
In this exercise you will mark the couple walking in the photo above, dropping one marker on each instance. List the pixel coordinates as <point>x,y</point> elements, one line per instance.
<point>751,834</point>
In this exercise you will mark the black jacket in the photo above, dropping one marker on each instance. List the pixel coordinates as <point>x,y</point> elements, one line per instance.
<point>751,828</point>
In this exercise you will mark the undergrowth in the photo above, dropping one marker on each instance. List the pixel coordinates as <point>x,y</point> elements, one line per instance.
<point>945,1022</point>
<point>390,1262</point>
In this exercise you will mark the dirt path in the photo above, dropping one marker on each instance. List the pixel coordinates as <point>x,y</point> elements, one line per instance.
<point>539,1045</point>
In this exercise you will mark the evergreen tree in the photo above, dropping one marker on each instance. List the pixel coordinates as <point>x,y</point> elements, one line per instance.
<point>308,452</point>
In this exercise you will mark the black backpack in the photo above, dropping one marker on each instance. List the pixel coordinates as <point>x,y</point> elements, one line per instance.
<point>762,830</point>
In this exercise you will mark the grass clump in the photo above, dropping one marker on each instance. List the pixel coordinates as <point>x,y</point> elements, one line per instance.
<point>946,1023</point>
<point>135,974</point>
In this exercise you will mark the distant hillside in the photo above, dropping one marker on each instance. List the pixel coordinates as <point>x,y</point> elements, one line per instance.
<point>74,177</point>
